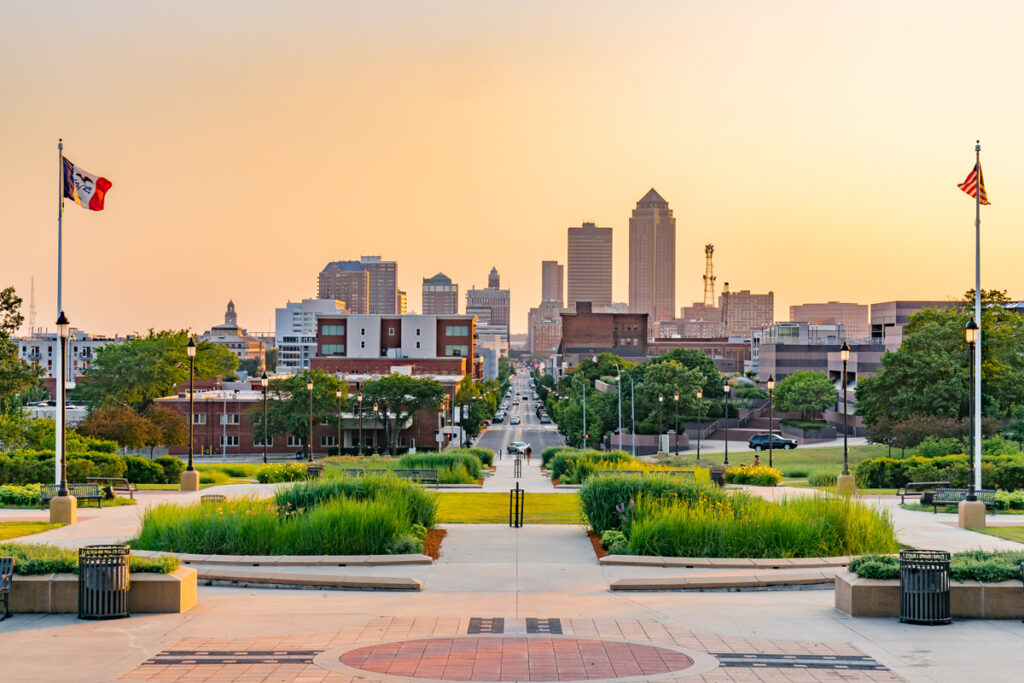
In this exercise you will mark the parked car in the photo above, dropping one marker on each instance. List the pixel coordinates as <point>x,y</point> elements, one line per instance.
<point>545,420</point>
<point>515,420</point>
<point>759,442</point>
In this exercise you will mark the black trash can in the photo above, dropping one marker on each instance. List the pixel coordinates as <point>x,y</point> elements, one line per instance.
<point>924,587</point>
<point>103,581</point>
<point>717,474</point>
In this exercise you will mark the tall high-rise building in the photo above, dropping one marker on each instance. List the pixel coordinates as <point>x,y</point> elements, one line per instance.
<point>401,302</point>
<point>853,317</point>
<point>345,281</point>
<point>652,258</point>
<point>383,287</point>
<point>590,265</point>
<point>552,286</point>
<point>440,295</point>
<point>491,306</point>
<point>743,311</point>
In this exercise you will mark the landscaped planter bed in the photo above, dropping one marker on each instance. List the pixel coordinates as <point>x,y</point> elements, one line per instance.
<point>968,600</point>
<point>150,593</point>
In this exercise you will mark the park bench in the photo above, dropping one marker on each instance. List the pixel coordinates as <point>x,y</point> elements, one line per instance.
<point>314,471</point>
<point>79,491</point>
<point>954,496</point>
<point>114,485</point>
<point>6,574</point>
<point>353,471</point>
<point>918,488</point>
<point>420,476</point>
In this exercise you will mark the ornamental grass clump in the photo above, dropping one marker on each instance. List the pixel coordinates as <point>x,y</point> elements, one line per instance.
<point>747,526</point>
<point>278,473</point>
<point>603,498</point>
<point>448,460</point>
<point>418,506</point>
<point>574,466</point>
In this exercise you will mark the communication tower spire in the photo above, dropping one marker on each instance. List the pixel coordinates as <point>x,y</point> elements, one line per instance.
<point>709,276</point>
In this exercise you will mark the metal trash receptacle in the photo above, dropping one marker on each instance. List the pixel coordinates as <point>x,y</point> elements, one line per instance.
<point>924,587</point>
<point>103,581</point>
<point>717,473</point>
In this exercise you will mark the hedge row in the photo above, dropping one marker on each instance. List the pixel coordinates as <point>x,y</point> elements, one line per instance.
<point>973,565</point>
<point>37,467</point>
<point>1004,472</point>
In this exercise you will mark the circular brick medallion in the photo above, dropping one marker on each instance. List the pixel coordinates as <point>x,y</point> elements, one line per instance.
<point>515,659</point>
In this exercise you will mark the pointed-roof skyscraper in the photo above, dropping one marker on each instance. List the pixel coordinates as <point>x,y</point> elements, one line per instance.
<point>652,259</point>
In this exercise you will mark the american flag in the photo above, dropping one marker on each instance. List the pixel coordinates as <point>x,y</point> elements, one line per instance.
<point>975,179</point>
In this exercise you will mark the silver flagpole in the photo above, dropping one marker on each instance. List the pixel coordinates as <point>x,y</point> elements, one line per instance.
<point>59,432</point>
<point>977,316</point>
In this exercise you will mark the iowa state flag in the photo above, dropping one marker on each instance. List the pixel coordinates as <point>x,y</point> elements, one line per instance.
<point>84,188</point>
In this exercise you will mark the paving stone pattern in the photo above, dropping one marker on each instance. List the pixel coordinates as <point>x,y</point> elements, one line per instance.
<point>437,648</point>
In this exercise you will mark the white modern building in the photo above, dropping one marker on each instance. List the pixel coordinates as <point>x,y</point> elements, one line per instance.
<point>295,331</point>
<point>43,349</point>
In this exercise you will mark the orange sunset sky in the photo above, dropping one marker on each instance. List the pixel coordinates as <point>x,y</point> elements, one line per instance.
<point>816,144</point>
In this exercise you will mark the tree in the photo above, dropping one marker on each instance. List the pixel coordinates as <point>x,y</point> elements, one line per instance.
<point>270,360</point>
<point>695,360</point>
<point>170,428</point>
<point>805,391</point>
<point>16,376</point>
<point>141,370</point>
<point>482,399</point>
<point>399,398</point>
<point>250,366</point>
<point>121,424</point>
<point>288,407</point>
<point>663,379</point>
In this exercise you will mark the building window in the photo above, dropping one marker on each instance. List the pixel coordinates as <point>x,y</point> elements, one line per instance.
<point>391,332</point>
<point>362,331</point>
<point>328,441</point>
<point>231,440</point>
<point>258,440</point>
<point>457,330</point>
<point>334,330</point>
<point>332,349</point>
<point>417,345</point>
<point>229,419</point>
<point>417,331</point>
<point>198,418</point>
<point>294,440</point>
<point>456,350</point>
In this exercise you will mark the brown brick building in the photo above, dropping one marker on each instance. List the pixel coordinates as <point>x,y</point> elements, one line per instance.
<point>585,333</point>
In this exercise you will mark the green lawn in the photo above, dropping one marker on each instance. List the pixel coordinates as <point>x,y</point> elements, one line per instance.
<point>492,508</point>
<point>1009,533</point>
<point>177,487</point>
<point>918,507</point>
<point>739,454</point>
<point>16,529</point>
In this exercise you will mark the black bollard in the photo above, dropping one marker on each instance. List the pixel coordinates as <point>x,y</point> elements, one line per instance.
<point>516,501</point>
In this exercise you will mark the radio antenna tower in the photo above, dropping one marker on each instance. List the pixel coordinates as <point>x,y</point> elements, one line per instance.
<point>709,276</point>
<point>32,306</point>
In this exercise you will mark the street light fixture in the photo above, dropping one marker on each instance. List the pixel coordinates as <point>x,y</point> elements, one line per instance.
<point>619,392</point>
<point>661,403</point>
<point>675,446</point>
<point>359,400</point>
<point>844,355</point>
<point>338,394</point>
<point>725,390</point>
<point>309,385</point>
<point>971,334</point>
<point>63,328</point>
<point>264,382</point>
<point>584,385</point>
<point>771,418</point>
<point>190,349</point>
<point>700,406</point>
<point>376,421</point>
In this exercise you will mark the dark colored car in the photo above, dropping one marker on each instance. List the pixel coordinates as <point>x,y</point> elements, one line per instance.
<point>759,442</point>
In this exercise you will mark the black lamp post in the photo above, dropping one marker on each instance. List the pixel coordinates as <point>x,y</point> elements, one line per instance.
<point>661,403</point>
<point>971,332</point>
<point>359,401</point>
<point>63,327</point>
<point>700,406</point>
<point>844,355</point>
<point>264,382</point>
<point>771,418</point>
<point>376,420</point>
<point>725,390</point>
<point>309,385</point>
<point>191,350</point>
<point>675,446</point>
<point>338,394</point>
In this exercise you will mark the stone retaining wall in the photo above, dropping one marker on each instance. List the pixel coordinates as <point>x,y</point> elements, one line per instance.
<point>149,593</point>
<point>968,600</point>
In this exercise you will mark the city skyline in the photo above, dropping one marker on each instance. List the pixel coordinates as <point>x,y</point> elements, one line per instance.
<point>237,172</point>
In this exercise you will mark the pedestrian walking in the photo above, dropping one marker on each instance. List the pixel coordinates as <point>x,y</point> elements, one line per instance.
<point>529,451</point>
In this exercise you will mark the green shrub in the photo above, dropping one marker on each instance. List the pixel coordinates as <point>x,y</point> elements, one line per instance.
<point>444,461</point>
<point>485,455</point>
<point>19,496</point>
<point>549,453</point>
<point>605,500</point>
<point>172,467</point>
<point>761,475</point>
<point>38,558</point>
<point>564,465</point>
<point>795,471</point>
<point>748,526</point>
<point>140,470</point>
<point>974,565</point>
<point>936,448</point>
<point>999,471</point>
<point>615,542</point>
<point>1005,500</point>
<point>826,476</point>
<point>751,392</point>
<point>418,505</point>
<point>213,477</point>
<point>277,473</point>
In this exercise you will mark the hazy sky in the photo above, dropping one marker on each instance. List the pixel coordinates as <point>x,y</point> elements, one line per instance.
<point>816,144</point>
